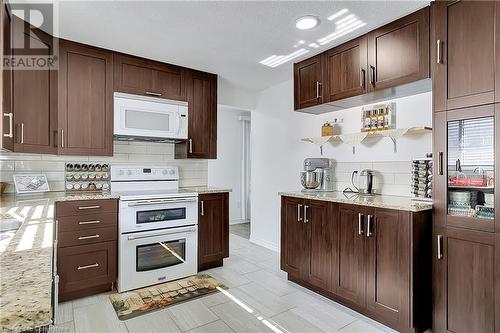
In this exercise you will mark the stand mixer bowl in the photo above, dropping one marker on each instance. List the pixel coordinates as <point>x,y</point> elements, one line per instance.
<point>311,179</point>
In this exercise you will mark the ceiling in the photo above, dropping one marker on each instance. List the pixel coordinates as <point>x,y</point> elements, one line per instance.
<point>224,37</point>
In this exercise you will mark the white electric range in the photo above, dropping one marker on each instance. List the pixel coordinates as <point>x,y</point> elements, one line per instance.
<point>157,226</point>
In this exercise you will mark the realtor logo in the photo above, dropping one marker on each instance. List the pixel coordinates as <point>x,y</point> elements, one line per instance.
<point>30,44</point>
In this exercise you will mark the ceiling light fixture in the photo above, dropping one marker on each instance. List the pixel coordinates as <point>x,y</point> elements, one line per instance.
<point>275,61</point>
<point>306,22</point>
<point>338,14</point>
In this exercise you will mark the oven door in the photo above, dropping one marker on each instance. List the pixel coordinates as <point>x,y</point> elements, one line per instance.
<point>139,215</point>
<point>151,257</point>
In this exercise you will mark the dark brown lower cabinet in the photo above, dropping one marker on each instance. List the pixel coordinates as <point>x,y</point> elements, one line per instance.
<point>375,261</point>
<point>213,229</point>
<point>464,281</point>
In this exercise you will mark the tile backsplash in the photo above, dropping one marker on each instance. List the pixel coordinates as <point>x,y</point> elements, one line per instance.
<point>191,172</point>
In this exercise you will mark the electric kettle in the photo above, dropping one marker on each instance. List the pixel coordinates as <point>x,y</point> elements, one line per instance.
<point>365,183</point>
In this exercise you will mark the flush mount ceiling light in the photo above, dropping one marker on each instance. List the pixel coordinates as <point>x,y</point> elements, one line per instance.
<point>306,22</point>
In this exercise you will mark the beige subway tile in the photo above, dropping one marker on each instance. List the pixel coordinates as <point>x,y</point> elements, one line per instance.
<point>39,166</point>
<point>20,156</point>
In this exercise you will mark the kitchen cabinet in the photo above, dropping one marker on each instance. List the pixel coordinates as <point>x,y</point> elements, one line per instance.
<point>140,76</point>
<point>308,82</point>
<point>7,125</point>
<point>34,98</point>
<point>213,229</point>
<point>86,237</point>
<point>374,260</point>
<point>398,52</point>
<point>346,67</point>
<point>465,68</point>
<point>85,108</point>
<point>202,117</point>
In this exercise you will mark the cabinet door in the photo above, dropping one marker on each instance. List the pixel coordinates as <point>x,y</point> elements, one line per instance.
<point>294,238</point>
<point>308,79</point>
<point>349,281</point>
<point>85,100</point>
<point>463,64</point>
<point>213,228</point>
<point>320,216</point>
<point>464,282</point>
<point>146,77</point>
<point>346,70</point>
<point>7,117</point>
<point>202,122</point>
<point>398,53</point>
<point>34,99</point>
<point>388,277</point>
<point>439,135</point>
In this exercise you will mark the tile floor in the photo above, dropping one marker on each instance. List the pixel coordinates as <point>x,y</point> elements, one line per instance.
<point>259,299</point>
<point>240,229</point>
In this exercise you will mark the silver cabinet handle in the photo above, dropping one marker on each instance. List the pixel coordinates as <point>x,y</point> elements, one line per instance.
<point>360,224</point>
<point>142,235</point>
<point>88,237</point>
<point>438,51</point>
<point>318,85</point>
<point>22,133</point>
<point>88,266</point>
<point>361,77</point>
<point>89,222</point>
<point>88,207</point>
<point>372,68</point>
<point>62,138</point>
<point>190,146</point>
<point>151,93</point>
<point>11,132</point>
<point>306,220</point>
<point>439,247</point>
<point>369,226</point>
<point>202,208</point>
<point>440,162</point>
<point>299,219</point>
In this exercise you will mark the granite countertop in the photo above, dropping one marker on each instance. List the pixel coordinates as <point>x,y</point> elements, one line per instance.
<point>204,189</point>
<point>379,201</point>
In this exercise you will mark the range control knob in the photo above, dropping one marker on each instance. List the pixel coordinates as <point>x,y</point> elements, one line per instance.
<point>164,171</point>
<point>172,171</point>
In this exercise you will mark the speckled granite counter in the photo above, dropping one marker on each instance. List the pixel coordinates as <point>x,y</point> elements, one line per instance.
<point>204,189</point>
<point>379,201</point>
<point>26,259</point>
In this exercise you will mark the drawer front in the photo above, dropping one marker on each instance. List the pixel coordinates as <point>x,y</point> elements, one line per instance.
<point>85,222</point>
<point>84,207</point>
<point>88,236</point>
<point>85,266</point>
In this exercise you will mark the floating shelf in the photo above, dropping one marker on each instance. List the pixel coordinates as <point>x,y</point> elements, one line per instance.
<point>356,138</point>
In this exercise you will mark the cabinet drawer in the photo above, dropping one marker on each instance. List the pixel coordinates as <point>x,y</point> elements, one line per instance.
<point>85,266</point>
<point>84,207</point>
<point>88,236</point>
<point>86,222</point>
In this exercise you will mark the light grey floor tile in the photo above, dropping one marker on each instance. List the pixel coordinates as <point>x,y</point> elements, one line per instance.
<point>228,277</point>
<point>362,326</point>
<point>237,242</point>
<point>240,265</point>
<point>97,317</point>
<point>94,299</point>
<point>216,327</point>
<point>271,282</point>
<point>260,299</point>
<point>327,319</point>
<point>214,299</point>
<point>290,322</point>
<point>68,327</point>
<point>191,314</point>
<point>64,312</point>
<point>239,319</point>
<point>240,229</point>
<point>154,322</point>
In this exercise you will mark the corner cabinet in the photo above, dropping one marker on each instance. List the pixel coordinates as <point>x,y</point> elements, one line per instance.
<point>375,261</point>
<point>85,109</point>
<point>213,229</point>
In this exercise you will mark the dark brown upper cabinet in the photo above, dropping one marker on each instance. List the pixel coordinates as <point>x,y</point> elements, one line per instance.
<point>202,123</point>
<point>146,77</point>
<point>398,52</point>
<point>85,109</point>
<point>465,51</point>
<point>346,70</point>
<point>7,117</point>
<point>308,82</point>
<point>34,97</point>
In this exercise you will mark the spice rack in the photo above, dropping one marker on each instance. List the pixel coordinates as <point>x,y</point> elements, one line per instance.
<point>87,177</point>
<point>421,179</point>
<point>378,117</point>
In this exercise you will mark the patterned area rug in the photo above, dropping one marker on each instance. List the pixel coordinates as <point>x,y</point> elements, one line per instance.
<point>141,301</point>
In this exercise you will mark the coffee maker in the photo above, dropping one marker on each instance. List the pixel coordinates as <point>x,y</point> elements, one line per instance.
<point>317,175</point>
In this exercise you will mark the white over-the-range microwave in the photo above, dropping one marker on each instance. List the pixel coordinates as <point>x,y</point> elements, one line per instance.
<point>149,118</point>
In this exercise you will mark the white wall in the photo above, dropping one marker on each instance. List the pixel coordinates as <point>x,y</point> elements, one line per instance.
<point>225,171</point>
<point>278,153</point>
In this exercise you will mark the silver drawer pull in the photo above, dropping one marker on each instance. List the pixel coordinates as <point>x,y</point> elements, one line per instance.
<point>11,132</point>
<point>88,266</point>
<point>88,237</point>
<point>151,93</point>
<point>89,222</point>
<point>88,207</point>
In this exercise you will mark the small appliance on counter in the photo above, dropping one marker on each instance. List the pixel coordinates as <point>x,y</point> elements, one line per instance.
<point>87,177</point>
<point>317,175</point>
<point>421,179</point>
<point>362,185</point>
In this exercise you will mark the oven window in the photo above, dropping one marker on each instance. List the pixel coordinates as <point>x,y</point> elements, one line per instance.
<point>160,255</point>
<point>149,216</point>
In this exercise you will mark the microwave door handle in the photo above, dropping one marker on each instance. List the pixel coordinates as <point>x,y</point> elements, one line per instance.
<point>164,233</point>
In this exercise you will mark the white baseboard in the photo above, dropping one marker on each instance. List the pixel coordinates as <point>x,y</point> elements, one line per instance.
<point>268,245</point>
<point>238,221</point>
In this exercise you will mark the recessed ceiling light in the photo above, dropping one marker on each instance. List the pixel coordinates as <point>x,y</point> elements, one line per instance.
<point>306,22</point>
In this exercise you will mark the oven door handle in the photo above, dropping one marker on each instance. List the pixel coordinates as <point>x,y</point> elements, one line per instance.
<point>157,202</point>
<point>163,233</point>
